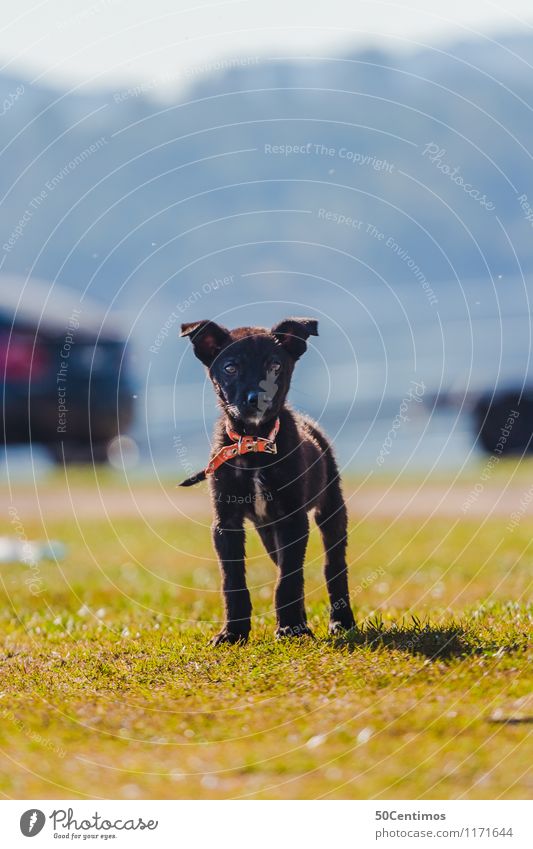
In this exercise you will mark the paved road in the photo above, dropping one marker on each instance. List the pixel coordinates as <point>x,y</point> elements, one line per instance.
<point>373,499</point>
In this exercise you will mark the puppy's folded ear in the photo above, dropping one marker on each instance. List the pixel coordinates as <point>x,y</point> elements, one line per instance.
<point>292,334</point>
<point>207,337</point>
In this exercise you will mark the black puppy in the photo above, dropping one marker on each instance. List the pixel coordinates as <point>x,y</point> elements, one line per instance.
<point>273,466</point>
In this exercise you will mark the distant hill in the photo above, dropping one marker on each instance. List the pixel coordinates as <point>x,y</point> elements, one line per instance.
<point>386,193</point>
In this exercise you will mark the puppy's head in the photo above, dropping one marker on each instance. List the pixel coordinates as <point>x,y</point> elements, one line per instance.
<point>251,367</point>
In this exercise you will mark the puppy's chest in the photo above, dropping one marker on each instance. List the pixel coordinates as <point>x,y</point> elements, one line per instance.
<point>262,498</point>
<point>258,495</point>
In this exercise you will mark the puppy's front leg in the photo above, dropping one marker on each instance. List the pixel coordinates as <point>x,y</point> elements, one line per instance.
<point>228,538</point>
<point>291,536</point>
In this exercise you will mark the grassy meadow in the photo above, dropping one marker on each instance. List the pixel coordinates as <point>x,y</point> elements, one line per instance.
<point>109,687</point>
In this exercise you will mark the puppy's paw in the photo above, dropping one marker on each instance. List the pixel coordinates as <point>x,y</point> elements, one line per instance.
<point>230,637</point>
<point>301,630</point>
<point>338,627</point>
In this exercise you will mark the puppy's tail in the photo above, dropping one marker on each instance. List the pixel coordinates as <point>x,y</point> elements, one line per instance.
<point>197,478</point>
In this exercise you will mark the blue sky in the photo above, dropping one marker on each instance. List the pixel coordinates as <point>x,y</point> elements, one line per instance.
<point>110,42</point>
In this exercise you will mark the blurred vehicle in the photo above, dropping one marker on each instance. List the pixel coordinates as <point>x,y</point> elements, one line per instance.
<point>504,422</point>
<point>501,419</point>
<point>65,376</point>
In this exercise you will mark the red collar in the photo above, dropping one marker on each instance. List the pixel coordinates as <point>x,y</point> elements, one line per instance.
<point>244,445</point>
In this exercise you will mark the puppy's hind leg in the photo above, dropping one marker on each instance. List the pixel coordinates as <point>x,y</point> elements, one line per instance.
<point>332,519</point>
<point>292,535</point>
<point>268,538</point>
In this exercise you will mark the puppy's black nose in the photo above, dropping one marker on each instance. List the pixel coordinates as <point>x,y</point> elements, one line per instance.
<point>252,398</point>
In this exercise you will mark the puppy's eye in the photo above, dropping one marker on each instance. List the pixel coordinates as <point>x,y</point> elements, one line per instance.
<point>230,368</point>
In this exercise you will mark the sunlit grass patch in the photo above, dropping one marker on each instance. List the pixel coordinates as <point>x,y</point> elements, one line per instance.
<point>110,687</point>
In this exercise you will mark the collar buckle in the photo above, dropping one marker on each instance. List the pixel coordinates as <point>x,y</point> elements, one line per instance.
<point>243,444</point>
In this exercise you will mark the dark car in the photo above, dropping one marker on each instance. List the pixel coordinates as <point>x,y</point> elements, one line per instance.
<point>65,375</point>
<point>504,421</point>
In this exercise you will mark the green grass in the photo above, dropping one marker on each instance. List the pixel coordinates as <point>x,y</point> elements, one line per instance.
<point>110,689</point>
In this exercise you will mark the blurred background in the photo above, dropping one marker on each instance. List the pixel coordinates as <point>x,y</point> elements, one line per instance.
<point>368,164</point>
